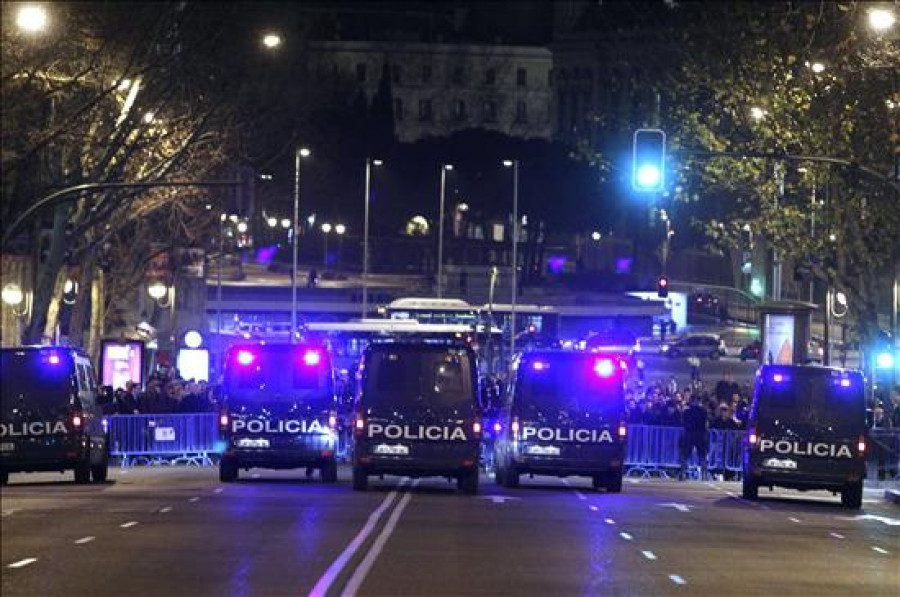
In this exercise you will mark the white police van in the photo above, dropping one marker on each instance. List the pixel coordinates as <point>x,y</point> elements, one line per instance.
<point>279,410</point>
<point>50,419</point>
<point>417,414</point>
<point>807,430</point>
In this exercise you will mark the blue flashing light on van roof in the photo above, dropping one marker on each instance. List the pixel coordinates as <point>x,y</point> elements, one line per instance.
<point>604,367</point>
<point>539,365</point>
<point>245,357</point>
<point>312,358</point>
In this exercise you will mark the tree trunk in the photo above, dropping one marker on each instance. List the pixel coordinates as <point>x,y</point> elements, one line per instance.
<point>48,273</point>
<point>79,310</point>
<point>53,308</point>
<point>98,312</point>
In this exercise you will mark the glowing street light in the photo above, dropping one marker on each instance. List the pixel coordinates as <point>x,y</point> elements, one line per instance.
<point>271,41</point>
<point>340,229</point>
<point>242,227</point>
<point>157,290</point>
<point>32,18</point>
<point>757,113</point>
<point>595,235</point>
<point>272,222</point>
<point>881,19</point>
<point>305,152</point>
<point>12,295</point>
<point>149,117</point>
<point>285,223</point>
<point>326,228</point>
<point>817,67</point>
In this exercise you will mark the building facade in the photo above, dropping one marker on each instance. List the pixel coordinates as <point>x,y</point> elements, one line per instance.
<point>439,89</point>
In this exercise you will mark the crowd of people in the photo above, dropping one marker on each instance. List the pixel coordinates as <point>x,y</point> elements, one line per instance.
<point>166,393</point>
<point>726,404</point>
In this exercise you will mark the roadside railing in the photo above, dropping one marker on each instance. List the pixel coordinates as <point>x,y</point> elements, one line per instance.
<point>164,439</point>
<point>656,451</point>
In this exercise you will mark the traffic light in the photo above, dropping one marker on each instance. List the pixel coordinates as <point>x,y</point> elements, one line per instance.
<point>649,160</point>
<point>662,287</point>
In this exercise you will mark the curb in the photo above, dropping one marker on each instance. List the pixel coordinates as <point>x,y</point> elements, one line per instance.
<point>892,495</point>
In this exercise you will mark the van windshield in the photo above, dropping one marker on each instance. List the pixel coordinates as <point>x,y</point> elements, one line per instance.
<point>417,378</point>
<point>571,383</point>
<point>35,384</point>
<point>290,375</point>
<point>813,397</point>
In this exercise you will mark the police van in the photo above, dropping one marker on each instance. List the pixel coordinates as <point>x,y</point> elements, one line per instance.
<point>279,410</point>
<point>417,414</point>
<point>50,419</point>
<point>563,415</point>
<point>807,430</point>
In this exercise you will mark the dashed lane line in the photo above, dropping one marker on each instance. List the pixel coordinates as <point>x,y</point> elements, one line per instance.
<point>649,555</point>
<point>794,520</point>
<point>677,579</point>
<point>217,490</point>
<point>593,508</point>
<point>128,525</point>
<point>194,499</point>
<point>609,521</point>
<point>23,563</point>
<point>836,535</point>
<point>626,536</point>
<point>880,550</point>
<point>580,495</point>
<point>84,540</point>
<point>165,510</point>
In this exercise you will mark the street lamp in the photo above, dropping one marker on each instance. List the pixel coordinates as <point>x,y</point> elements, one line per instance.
<point>32,18</point>
<point>440,269</point>
<point>366,200</point>
<point>326,230</point>
<point>340,229</point>
<point>757,113</point>
<point>301,152</point>
<point>12,295</point>
<point>271,41</point>
<point>286,223</point>
<point>881,19</point>
<point>273,222</point>
<point>595,235</point>
<point>514,164</point>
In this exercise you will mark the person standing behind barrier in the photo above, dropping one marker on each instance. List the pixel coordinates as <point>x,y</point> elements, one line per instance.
<point>694,362</point>
<point>695,436</point>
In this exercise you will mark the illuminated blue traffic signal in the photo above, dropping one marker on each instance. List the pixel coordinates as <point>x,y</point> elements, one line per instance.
<point>649,160</point>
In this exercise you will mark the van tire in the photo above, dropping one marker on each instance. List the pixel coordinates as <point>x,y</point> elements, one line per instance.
<point>83,472</point>
<point>360,479</point>
<point>509,477</point>
<point>468,482</point>
<point>750,490</point>
<point>100,472</point>
<point>330,472</point>
<point>613,482</point>
<point>228,470</point>
<point>852,495</point>
<point>4,477</point>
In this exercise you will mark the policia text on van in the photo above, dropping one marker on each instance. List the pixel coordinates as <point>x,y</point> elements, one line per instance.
<point>563,415</point>
<point>279,410</point>
<point>807,431</point>
<point>417,414</point>
<point>49,416</point>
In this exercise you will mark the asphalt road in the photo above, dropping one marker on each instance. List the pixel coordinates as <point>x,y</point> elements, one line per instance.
<point>178,531</point>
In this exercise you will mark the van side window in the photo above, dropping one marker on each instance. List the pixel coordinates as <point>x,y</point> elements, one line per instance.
<point>91,377</point>
<point>82,378</point>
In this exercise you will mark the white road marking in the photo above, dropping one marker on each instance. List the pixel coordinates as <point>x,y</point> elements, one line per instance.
<point>609,521</point>
<point>22,563</point>
<point>580,495</point>
<point>217,490</point>
<point>594,508</point>
<point>84,540</point>
<point>891,522</point>
<point>165,510</point>
<point>128,525</point>
<point>792,519</point>
<point>499,499</point>
<point>194,499</point>
<point>626,536</point>
<point>255,475</point>
<point>6,513</point>
<point>836,535</point>
<point>327,579</point>
<point>633,481</point>
<point>649,555</point>
<point>677,579</point>
<point>729,493</point>
<point>677,506</point>
<point>880,550</point>
<point>359,575</point>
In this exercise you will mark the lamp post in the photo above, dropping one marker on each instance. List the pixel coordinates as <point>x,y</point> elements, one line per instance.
<point>340,229</point>
<point>440,264</point>
<point>326,230</point>
<point>365,266</point>
<point>514,164</point>
<point>301,152</point>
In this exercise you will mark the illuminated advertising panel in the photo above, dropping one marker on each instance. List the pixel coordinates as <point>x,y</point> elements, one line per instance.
<point>121,362</point>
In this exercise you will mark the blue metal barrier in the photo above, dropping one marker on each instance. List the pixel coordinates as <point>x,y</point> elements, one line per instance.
<point>656,451</point>
<point>883,460</point>
<point>164,439</point>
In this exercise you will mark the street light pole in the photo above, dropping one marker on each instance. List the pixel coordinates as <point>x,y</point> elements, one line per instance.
<point>514,164</point>
<point>365,265</point>
<point>440,264</point>
<point>301,152</point>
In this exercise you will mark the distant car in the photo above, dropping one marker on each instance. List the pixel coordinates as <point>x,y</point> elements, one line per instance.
<point>614,341</point>
<point>751,352</point>
<point>700,345</point>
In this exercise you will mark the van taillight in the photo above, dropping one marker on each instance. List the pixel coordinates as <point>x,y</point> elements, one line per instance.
<point>514,427</point>
<point>752,438</point>
<point>77,421</point>
<point>861,445</point>
<point>223,420</point>
<point>359,425</point>
<point>623,430</point>
<point>332,420</point>
<point>476,427</point>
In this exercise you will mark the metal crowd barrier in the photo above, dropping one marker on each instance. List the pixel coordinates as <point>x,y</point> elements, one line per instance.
<point>656,451</point>
<point>883,463</point>
<point>164,439</point>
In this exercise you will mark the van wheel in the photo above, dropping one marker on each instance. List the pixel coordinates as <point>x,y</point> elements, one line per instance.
<point>83,472</point>
<point>330,473</point>
<point>851,496</point>
<point>468,482</point>
<point>360,479</point>
<point>509,478</point>
<point>613,482</point>
<point>4,477</point>
<point>228,470</point>
<point>100,472</point>
<point>750,489</point>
